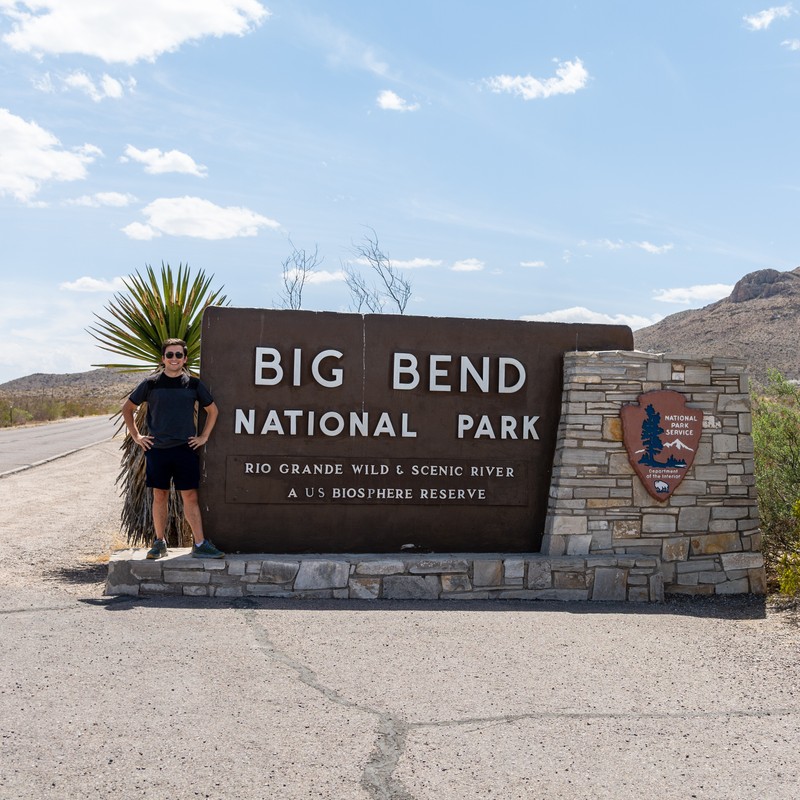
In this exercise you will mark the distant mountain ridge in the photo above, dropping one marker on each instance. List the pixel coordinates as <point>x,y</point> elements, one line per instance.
<point>759,321</point>
<point>103,385</point>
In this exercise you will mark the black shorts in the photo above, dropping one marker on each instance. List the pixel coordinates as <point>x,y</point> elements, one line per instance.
<point>180,463</point>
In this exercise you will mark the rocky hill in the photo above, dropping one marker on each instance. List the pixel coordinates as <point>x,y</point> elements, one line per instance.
<point>759,321</point>
<point>103,386</point>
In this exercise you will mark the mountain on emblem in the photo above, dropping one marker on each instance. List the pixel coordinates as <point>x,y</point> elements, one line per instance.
<point>661,422</point>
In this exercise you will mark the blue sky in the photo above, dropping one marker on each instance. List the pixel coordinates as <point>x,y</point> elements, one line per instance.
<point>583,161</point>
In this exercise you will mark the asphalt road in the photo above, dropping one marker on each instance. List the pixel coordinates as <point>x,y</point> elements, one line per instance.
<point>260,698</point>
<point>25,446</point>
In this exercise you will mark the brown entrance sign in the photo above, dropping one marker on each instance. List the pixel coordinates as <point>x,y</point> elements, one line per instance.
<point>351,433</point>
<point>661,436</point>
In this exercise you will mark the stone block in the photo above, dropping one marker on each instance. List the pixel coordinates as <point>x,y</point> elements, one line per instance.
<point>384,567</point>
<point>659,371</point>
<point>639,594</point>
<point>196,591</point>
<point>322,574</point>
<point>584,456</point>
<point>156,587</point>
<point>456,583</point>
<point>569,580</point>
<point>487,573</point>
<point>725,443</point>
<point>675,549</point>
<point>213,564</point>
<point>626,529</point>
<point>758,581</point>
<point>732,561</point>
<point>694,518</point>
<point>567,526</point>
<point>705,565</point>
<point>657,588</point>
<point>674,588</point>
<point>711,577</point>
<point>411,587</point>
<point>227,591</point>
<point>540,574</point>
<point>121,588</point>
<point>715,543</point>
<point>236,567</point>
<point>513,570</point>
<point>146,570</point>
<point>437,565</point>
<point>618,464</point>
<point>612,429</point>
<point>365,588</point>
<point>712,472</point>
<point>610,585</point>
<point>740,586</point>
<point>579,545</point>
<point>278,571</point>
<point>186,576</point>
<point>658,523</point>
<point>267,590</point>
<point>554,545</point>
<point>728,403</point>
<point>697,375</point>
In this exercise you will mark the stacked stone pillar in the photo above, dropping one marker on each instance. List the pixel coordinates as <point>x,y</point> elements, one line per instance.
<point>706,534</point>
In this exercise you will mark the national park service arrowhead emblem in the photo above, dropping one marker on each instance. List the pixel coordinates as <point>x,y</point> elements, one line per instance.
<point>661,436</point>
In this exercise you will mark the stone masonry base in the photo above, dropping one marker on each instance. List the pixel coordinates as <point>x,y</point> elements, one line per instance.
<point>393,576</point>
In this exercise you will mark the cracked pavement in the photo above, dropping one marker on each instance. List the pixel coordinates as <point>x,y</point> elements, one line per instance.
<point>350,700</point>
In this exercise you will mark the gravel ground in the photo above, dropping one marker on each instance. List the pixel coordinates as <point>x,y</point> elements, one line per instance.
<point>60,521</point>
<point>258,698</point>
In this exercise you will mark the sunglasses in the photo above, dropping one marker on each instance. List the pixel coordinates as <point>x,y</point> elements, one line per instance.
<point>176,354</point>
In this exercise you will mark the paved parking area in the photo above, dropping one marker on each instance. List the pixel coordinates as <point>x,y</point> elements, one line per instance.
<point>258,698</point>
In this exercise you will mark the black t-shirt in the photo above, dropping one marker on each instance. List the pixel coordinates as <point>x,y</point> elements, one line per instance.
<point>170,406</point>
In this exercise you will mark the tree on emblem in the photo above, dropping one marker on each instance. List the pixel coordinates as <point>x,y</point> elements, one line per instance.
<point>651,439</point>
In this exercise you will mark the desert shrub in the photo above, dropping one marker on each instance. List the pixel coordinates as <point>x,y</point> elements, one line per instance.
<point>776,440</point>
<point>32,408</point>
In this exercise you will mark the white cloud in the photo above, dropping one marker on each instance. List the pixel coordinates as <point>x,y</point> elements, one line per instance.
<point>118,31</point>
<point>201,219</point>
<point>582,314</point>
<point>570,77</point>
<point>157,162</point>
<point>140,231</point>
<point>31,156</point>
<point>654,249</point>
<point>417,263</point>
<point>468,265</point>
<point>690,295</point>
<point>319,276</point>
<point>608,244</point>
<point>763,19</point>
<point>115,199</point>
<point>792,44</point>
<point>389,101</point>
<point>87,284</point>
<point>532,264</point>
<point>109,87</point>
<point>106,87</point>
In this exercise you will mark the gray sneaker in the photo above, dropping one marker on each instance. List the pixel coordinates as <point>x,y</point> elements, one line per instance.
<point>206,550</point>
<point>158,550</point>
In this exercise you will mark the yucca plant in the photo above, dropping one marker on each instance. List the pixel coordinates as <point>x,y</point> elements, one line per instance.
<point>155,308</point>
